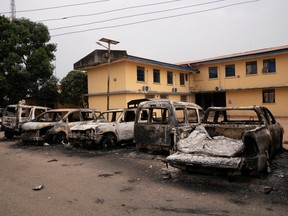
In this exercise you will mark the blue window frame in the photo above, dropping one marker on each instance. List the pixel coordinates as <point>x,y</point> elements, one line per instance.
<point>213,72</point>
<point>140,74</point>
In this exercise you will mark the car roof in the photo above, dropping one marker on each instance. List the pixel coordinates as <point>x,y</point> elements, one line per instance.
<point>70,110</point>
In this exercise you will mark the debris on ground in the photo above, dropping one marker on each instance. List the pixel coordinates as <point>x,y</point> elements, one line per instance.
<point>38,187</point>
<point>53,160</point>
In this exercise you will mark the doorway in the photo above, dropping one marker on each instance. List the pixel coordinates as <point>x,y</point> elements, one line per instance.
<point>206,100</point>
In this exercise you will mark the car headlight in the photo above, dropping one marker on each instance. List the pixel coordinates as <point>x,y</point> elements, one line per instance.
<point>98,130</point>
<point>89,133</point>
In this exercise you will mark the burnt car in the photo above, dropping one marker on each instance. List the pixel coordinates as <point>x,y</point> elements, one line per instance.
<point>232,139</point>
<point>161,123</point>
<point>1,114</point>
<point>53,125</point>
<point>15,115</point>
<point>115,126</point>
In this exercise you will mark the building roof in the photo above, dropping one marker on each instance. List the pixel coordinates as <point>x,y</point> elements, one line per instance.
<point>98,57</point>
<point>239,56</point>
<point>150,61</point>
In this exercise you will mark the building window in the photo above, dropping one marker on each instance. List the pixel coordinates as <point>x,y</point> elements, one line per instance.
<point>169,77</point>
<point>163,96</point>
<point>149,96</point>
<point>156,76</point>
<point>230,70</point>
<point>183,98</point>
<point>269,66</point>
<point>182,79</point>
<point>268,96</point>
<point>213,72</point>
<point>140,74</point>
<point>251,67</point>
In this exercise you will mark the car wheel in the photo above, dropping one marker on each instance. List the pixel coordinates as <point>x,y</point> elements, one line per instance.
<point>109,141</point>
<point>8,134</point>
<point>281,143</point>
<point>271,152</point>
<point>59,138</point>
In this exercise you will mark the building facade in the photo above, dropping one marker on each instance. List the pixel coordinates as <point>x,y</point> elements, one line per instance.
<point>251,78</point>
<point>257,77</point>
<point>133,78</point>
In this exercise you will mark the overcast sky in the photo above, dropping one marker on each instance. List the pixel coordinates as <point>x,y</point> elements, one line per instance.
<point>165,30</point>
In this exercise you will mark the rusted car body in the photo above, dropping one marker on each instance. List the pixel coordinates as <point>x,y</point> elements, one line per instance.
<point>160,124</point>
<point>115,126</point>
<point>15,115</point>
<point>232,139</point>
<point>53,126</point>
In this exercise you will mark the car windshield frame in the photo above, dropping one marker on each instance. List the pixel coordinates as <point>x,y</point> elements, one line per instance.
<point>51,116</point>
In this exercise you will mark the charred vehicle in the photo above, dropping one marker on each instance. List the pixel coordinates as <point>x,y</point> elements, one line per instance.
<point>53,126</point>
<point>14,116</point>
<point>1,114</point>
<point>160,124</point>
<point>231,139</point>
<point>115,126</point>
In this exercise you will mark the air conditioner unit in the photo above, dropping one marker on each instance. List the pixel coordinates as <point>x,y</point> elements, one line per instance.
<point>174,89</point>
<point>146,88</point>
<point>218,88</point>
<point>265,70</point>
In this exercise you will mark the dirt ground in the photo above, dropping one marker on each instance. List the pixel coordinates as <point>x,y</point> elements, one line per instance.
<point>127,182</point>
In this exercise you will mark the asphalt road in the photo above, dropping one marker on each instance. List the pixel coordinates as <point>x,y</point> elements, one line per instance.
<point>128,182</point>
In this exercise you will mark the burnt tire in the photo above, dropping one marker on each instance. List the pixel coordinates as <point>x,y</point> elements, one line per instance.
<point>59,138</point>
<point>8,134</point>
<point>109,141</point>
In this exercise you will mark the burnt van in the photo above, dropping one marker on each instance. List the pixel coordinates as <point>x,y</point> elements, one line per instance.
<point>15,115</point>
<point>160,124</point>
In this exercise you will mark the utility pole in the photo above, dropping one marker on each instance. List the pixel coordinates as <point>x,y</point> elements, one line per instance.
<point>108,41</point>
<point>13,9</point>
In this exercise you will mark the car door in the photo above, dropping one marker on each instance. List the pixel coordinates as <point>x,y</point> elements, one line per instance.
<point>125,125</point>
<point>73,119</point>
<point>275,130</point>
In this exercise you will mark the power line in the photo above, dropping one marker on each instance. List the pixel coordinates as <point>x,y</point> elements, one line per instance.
<point>155,19</point>
<point>109,11</point>
<point>135,15</point>
<point>56,7</point>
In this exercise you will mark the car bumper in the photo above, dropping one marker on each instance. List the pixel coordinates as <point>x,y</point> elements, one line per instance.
<point>31,136</point>
<point>188,160</point>
<point>78,138</point>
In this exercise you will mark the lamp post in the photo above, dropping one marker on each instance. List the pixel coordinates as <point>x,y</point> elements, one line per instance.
<point>109,42</point>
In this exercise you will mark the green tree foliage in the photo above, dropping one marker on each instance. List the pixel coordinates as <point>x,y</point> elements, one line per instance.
<point>74,87</point>
<point>48,94</point>
<point>25,59</point>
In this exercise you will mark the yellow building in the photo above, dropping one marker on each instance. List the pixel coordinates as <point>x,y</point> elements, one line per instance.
<point>257,77</point>
<point>132,78</point>
<point>251,78</point>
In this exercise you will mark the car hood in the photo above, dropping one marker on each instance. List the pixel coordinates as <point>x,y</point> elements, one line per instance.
<point>85,126</point>
<point>36,125</point>
<point>199,142</point>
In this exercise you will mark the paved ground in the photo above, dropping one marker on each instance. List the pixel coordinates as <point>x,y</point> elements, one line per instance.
<point>128,182</point>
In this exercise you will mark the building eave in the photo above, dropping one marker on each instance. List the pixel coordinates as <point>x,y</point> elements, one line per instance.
<point>239,89</point>
<point>94,60</point>
<point>163,64</point>
<point>239,56</point>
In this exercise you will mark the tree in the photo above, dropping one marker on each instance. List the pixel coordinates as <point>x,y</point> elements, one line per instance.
<point>74,87</point>
<point>48,93</point>
<point>25,59</point>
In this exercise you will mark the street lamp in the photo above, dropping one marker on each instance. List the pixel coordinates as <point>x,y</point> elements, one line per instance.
<point>108,41</point>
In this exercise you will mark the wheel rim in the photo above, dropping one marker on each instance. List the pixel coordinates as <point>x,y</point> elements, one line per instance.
<point>59,138</point>
<point>108,142</point>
